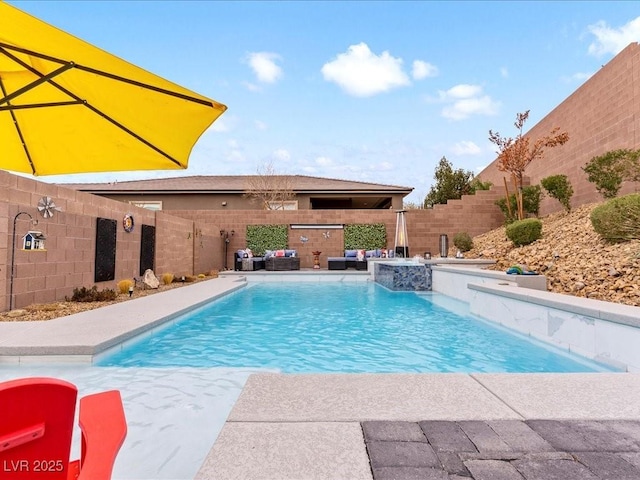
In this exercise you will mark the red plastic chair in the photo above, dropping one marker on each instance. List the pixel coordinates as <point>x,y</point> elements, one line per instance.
<point>36,426</point>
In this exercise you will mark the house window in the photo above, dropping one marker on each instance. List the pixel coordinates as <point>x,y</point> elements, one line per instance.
<point>286,205</point>
<point>155,206</point>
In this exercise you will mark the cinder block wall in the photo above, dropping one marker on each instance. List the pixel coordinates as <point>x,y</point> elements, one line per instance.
<point>69,259</point>
<point>602,115</point>
<point>474,214</point>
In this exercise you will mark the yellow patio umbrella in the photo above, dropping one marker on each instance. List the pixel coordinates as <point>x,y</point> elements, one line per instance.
<point>67,106</point>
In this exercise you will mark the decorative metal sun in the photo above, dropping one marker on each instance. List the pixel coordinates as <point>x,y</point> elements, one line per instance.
<point>47,207</point>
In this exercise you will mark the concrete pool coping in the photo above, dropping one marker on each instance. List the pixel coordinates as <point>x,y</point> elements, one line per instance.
<point>307,426</point>
<point>79,337</point>
<point>292,426</point>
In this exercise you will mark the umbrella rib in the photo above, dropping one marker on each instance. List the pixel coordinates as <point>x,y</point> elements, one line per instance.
<point>132,133</point>
<point>39,105</point>
<point>19,131</point>
<point>145,85</point>
<point>35,83</point>
<point>4,46</point>
<point>48,78</point>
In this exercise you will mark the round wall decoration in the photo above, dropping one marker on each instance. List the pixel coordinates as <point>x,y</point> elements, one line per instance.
<point>47,207</point>
<point>127,223</point>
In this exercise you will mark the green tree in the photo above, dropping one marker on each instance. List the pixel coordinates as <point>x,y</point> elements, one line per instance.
<point>450,184</point>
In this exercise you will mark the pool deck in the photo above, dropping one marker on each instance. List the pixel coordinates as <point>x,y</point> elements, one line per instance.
<point>378,426</point>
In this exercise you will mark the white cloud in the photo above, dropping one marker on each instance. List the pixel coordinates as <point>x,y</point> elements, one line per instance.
<point>466,100</point>
<point>324,162</point>
<point>423,70</point>
<point>576,77</point>
<point>613,40</point>
<point>235,156</point>
<point>504,72</point>
<point>264,66</point>
<point>461,91</point>
<point>281,155</point>
<point>252,87</point>
<point>361,73</point>
<point>466,148</point>
<point>220,125</point>
<point>233,143</point>
<point>385,166</point>
<point>260,125</point>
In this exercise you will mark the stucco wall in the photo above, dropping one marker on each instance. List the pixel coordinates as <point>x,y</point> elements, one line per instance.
<point>237,201</point>
<point>602,115</point>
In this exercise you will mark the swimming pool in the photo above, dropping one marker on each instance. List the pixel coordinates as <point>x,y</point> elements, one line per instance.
<point>351,328</point>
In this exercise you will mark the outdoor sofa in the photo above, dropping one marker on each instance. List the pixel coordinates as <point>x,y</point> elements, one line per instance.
<point>350,259</point>
<point>273,260</point>
<point>245,263</point>
<point>281,260</point>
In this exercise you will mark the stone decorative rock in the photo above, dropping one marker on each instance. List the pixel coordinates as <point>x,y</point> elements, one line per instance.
<point>570,252</point>
<point>149,280</point>
<point>16,313</point>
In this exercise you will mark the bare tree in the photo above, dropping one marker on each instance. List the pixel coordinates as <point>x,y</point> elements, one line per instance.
<point>268,188</point>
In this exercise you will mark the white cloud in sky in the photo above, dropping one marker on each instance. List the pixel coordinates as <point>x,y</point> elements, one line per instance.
<point>465,100</point>
<point>466,147</point>
<point>504,72</point>
<point>222,124</point>
<point>421,70</point>
<point>324,161</point>
<point>362,73</point>
<point>260,125</point>
<point>385,166</point>
<point>281,155</point>
<point>252,87</point>
<point>264,66</point>
<point>463,90</point>
<point>613,40</point>
<point>235,156</point>
<point>576,77</point>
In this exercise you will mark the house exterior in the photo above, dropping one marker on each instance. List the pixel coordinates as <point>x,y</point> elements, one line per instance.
<point>229,193</point>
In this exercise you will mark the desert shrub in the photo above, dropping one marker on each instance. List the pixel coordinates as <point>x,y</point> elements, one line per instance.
<point>559,187</point>
<point>524,232</point>
<point>618,220</point>
<point>477,184</point>
<point>531,196</point>
<point>214,273</point>
<point>167,278</point>
<point>201,275</point>
<point>189,278</point>
<point>607,171</point>
<point>92,294</point>
<point>123,285</point>
<point>463,241</point>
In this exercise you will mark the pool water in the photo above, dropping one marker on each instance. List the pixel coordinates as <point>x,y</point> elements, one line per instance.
<point>349,328</point>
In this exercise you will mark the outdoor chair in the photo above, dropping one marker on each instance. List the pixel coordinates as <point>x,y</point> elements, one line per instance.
<point>36,426</point>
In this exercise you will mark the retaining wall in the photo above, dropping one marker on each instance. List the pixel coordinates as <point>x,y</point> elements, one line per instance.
<point>601,115</point>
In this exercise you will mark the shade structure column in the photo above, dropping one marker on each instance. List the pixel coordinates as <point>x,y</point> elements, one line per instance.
<point>401,247</point>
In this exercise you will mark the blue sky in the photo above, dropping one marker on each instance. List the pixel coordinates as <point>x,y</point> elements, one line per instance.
<point>373,91</point>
